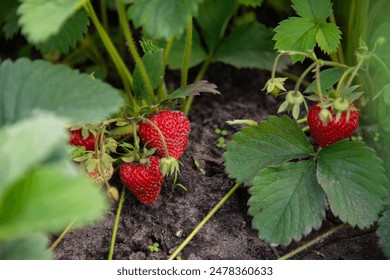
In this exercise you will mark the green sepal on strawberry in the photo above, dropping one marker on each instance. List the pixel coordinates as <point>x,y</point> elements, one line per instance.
<point>329,125</point>
<point>143,180</point>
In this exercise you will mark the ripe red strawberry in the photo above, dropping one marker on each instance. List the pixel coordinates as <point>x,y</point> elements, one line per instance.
<point>143,180</point>
<point>174,126</point>
<point>77,139</point>
<point>334,130</point>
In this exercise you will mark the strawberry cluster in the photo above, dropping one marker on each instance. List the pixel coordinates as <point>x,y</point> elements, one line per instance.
<point>165,135</point>
<point>167,132</point>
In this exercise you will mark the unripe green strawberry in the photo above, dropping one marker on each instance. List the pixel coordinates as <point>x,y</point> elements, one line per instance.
<point>143,180</point>
<point>175,128</point>
<point>77,139</point>
<point>339,127</point>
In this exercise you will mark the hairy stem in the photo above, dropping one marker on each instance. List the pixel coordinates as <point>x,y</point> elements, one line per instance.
<point>202,71</point>
<point>133,50</point>
<point>121,67</point>
<point>203,222</point>
<point>161,136</point>
<point>103,12</point>
<point>63,234</point>
<point>313,242</point>
<point>187,54</point>
<point>161,88</point>
<point>115,230</point>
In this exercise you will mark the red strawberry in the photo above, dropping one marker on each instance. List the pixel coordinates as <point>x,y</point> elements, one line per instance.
<point>334,130</point>
<point>77,139</point>
<point>174,126</point>
<point>143,180</point>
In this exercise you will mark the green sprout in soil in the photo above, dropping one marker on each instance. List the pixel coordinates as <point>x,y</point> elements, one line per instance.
<point>154,247</point>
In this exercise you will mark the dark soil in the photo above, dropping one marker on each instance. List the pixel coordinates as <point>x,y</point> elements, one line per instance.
<point>228,235</point>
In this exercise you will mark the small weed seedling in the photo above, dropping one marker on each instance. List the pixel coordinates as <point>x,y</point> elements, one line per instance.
<point>221,140</point>
<point>154,247</point>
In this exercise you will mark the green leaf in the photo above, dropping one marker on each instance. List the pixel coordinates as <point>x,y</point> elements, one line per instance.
<point>383,232</point>
<point>353,179</point>
<point>271,143</point>
<point>47,199</point>
<point>41,19</point>
<point>153,63</point>
<point>328,37</point>
<point>163,18</point>
<point>11,27</point>
<point>27,144</point>
<point>250,45</point>
<point>29,85</point>
<point>175,59</point>
<point>316,10</point>
<point>193,89</point>
<point>328,78</point>
<point>68,36</point>
<point>27,248</point>
<point>213,18</point>
<point>296,34</point>
<point>252,3</point>
<point>286,202</point>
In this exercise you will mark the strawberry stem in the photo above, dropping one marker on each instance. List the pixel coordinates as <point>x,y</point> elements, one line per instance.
<point>123,71</point>
<point>63,234</point>
<point>302,77</point>
<point>133,50</point>
<point>116,223</point>
<point>313,242</point>
<point>162,92</point>
<point>160,134</point>
<point>187,54</point>
<point>203,222</point>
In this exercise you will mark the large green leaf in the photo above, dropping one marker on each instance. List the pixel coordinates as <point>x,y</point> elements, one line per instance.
<point>163,18</point>
<point>41,19</point>
<point>153,63</point>
<point>302,33</point>
<point>27,144</point>
<point>286,202</point>
<point>250,45</point>
<point>47,199</point>
<point>68,36</point>
<point>28,85</point>
<point>213,18</point>
<point>316,10</point>
<point>296,34</point>
<point>27,248</point>
<point>383,232</point>
<point>353,179</point>
<point>328,37</point>
<point>270,143</point>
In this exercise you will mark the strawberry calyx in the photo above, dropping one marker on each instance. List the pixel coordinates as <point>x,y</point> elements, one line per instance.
<point>294,97</point>
<point>169,166</point>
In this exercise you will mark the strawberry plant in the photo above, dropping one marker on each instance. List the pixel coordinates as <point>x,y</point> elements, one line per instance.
<point>293,181</point>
